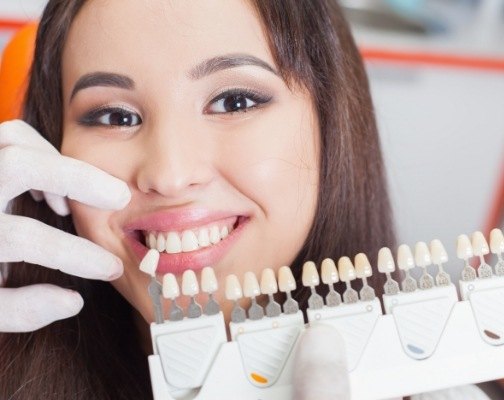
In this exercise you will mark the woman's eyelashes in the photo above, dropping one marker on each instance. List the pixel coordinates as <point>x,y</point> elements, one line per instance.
<point>119,117</point>
<point>229,102</point>
<point>236,100</point>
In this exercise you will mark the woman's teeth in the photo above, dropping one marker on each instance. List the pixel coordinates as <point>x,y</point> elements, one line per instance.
<point>188,240</point>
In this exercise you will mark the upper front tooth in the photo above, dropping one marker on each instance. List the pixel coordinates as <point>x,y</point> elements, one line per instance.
<point>224,232</point>
<point>173,244</point>
<point>151,240</point>
<point>160,242</point>
<point>215,235</point>
<point>203,239</point>
<point>189,241</point>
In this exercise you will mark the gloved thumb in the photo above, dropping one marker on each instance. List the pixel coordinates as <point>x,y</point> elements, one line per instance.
<point>320,367</point>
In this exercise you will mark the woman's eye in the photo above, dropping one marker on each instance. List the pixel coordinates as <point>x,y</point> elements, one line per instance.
<point>236,101</point>
<point>111,117</point>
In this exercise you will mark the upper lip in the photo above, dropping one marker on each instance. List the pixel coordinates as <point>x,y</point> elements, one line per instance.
<point>176,220</point>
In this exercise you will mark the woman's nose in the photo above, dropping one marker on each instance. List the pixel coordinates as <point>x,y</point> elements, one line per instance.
<point>175,162</point>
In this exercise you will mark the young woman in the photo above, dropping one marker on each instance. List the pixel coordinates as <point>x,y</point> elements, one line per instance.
<point>245,122</point>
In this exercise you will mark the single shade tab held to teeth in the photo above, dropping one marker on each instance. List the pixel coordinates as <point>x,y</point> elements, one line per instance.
<point>149,265</point>
<point>406,262</point>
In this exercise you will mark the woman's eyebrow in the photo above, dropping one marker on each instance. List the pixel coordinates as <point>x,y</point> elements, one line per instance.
<point>102,79</point>
<point>218,63</point>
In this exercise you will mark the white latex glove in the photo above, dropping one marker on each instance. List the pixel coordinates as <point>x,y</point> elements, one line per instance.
<point>320,370</point>
<point>29,162</point>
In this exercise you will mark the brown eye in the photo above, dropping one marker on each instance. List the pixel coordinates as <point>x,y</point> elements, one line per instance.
<point>111,117</point>
<point>236,100</point>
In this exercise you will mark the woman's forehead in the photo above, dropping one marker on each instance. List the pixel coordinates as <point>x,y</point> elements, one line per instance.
<point>173,36</point>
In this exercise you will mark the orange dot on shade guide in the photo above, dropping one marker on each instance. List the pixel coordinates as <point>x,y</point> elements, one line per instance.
<point>258,378</point>
<point>14,69</point>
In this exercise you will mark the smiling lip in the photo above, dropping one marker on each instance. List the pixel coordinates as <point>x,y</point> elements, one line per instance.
<point>179,221</point>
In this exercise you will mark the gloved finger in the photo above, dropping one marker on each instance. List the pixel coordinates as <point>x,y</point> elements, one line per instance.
<point>29,308</point>
<point>26,239</point>
<point>320,370</point>
<point>25,168</point>
<point>37,195</point>
<point>57,203</point>
<point>19,133</point>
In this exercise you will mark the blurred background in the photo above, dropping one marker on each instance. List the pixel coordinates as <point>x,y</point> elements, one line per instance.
<point>436,70</point>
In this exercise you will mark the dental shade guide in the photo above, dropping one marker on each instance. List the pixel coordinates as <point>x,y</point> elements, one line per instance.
<point>426,339</point>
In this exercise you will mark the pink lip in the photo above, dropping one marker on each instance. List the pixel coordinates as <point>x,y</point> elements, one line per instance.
<point>178,221</point>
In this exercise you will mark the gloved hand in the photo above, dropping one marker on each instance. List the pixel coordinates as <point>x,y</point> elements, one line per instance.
<point>320,370</point>
<point>29,162</point>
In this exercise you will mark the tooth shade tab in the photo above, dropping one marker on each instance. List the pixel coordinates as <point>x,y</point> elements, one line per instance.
<point>251,285</point>
<point>286,281</point>
<point>362,266</point>
<point>464,247</point>
<point>438,252</point>
<point>190,285</point>
<point>497,241</point>
<point>233,288</point>
<point>405,260</point>
<point>346,269</point>
<point>208,280</point>
<point>268,281</point>
<point>149,263</point>
<point>170,287</point>
<point>479,244</point>
<point>386,262</point>
<point>328,272</point>
<point>422,255</point>
<point>310,274</point>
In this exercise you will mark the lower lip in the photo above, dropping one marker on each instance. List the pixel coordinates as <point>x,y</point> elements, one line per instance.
<point>195,260</point>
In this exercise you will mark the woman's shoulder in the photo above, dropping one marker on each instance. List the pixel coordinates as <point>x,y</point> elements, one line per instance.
<point>469,392</point>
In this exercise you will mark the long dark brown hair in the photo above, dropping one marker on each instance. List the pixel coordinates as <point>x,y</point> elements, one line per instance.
<point>96,355</point>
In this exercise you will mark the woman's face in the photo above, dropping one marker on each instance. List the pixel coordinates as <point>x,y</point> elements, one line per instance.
<point>181,100</point>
